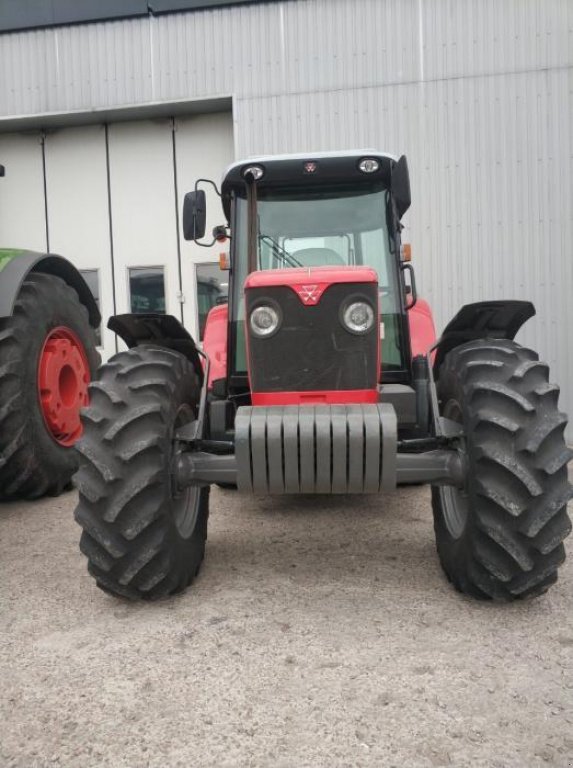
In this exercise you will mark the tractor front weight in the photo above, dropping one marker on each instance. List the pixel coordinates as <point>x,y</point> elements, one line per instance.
<point>320,449</point>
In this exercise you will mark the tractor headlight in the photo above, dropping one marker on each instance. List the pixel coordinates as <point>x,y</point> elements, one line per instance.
<point>358,317</point>
<point>265,320</point>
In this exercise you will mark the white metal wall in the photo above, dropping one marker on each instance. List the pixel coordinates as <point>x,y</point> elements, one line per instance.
<point>78,223</point>
<point>277,48</point>
<point>22,214</point>
<point>143,205</point>
<point>141,197</point>
<point>476,92</point>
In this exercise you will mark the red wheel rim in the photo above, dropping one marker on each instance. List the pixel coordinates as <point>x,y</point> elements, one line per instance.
<point>63,378</point>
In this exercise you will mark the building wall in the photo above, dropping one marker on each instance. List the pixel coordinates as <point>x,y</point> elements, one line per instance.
<point>477,93</point>
<point>112,194</point>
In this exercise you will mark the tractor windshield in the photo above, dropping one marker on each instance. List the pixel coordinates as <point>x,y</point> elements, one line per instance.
<point>319,227</point>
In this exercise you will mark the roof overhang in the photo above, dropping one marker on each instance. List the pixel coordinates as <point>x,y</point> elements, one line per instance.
<point>16,15</point>
<point>48,121</point>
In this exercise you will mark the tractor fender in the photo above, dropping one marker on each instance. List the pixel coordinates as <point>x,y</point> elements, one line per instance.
<point>15,266</point>
<point>159,330</point>
<point>215,342</point>
<point>484,319</point>
<point>422,328</point>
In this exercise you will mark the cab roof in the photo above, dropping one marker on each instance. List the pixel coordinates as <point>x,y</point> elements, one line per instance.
<point>308,156</point>
<point>312,168</point>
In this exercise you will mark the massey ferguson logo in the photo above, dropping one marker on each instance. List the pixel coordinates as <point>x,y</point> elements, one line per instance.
<point>310,294</point>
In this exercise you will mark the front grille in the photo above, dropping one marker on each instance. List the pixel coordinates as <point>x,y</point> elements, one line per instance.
<point>312,351</point>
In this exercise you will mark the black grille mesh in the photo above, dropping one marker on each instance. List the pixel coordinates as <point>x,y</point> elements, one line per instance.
<point>312,351</point>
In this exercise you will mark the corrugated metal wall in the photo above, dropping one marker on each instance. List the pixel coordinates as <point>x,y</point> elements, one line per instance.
<point>476,92</point>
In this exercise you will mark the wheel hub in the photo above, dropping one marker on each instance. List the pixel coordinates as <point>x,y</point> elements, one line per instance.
<point>455,501</point>
<point>63,378</point>
<point>185,501</point>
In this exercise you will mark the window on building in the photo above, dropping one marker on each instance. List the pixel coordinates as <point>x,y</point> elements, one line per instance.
<point>147,289</point>
<point>212,289</point>
<point>91,276</point>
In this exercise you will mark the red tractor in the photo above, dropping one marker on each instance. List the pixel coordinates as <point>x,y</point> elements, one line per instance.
<point>322,375</point>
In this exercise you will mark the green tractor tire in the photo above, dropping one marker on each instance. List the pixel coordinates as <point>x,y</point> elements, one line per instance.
<point>47,358</point>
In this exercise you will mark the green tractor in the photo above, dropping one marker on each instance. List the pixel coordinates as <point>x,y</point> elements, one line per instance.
<point>48,356</point>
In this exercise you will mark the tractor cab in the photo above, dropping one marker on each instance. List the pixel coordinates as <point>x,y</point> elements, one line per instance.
<point>318,304</point>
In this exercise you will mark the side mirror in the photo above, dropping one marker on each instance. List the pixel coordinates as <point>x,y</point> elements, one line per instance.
<point>401,186</point>
<point>2,170</point>
<point>194,215</point>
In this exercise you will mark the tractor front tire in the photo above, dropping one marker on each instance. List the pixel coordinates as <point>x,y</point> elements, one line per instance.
<point>143,539</point>
<point>501,536</point>
<point>47,357</point>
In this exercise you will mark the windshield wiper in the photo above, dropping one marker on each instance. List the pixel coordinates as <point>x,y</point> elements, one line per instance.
<point>282,254</point>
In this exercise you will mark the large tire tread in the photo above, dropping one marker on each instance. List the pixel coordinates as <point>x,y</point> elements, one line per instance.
<point>517,488</point>
<point>31,463</point>
<point>128,536</point>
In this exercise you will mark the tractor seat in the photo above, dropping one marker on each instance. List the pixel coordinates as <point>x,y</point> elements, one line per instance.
<point>317,257</point>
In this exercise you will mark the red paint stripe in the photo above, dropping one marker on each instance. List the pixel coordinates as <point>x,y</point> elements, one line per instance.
<point>331,397</point>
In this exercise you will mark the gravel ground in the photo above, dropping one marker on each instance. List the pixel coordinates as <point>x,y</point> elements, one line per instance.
<point>320,632</point>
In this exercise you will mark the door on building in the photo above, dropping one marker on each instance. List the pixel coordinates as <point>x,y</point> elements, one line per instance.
<point>108,197</point>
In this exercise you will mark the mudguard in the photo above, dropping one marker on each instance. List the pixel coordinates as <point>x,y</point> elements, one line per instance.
<point>484,319</point>
<point>215,341</point>
<point>161,330</point>
<point>15,265</point>
<point>422,329</point>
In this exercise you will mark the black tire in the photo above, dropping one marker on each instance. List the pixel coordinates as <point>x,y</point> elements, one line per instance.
<point>501,537</point>
<point>142,539</point>
<point>32,463</point>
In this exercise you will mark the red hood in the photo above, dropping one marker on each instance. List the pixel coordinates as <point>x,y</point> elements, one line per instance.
<point>309,283</point>
<point>304,275</point>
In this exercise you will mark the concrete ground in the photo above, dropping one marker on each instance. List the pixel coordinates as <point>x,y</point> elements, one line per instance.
<point>320,632</point>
